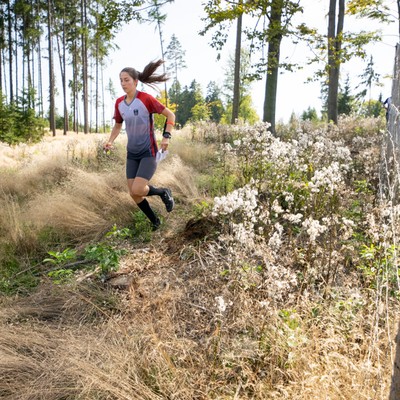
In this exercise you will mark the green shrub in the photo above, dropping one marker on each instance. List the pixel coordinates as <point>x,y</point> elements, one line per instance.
<point>19,122</point>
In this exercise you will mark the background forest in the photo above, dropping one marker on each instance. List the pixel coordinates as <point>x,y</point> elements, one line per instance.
<point>276,275</point>
<point>54,57</point>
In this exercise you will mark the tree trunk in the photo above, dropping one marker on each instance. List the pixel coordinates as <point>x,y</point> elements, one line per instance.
<point>24,46</point>
<point>103,102</point>
<point>236,78</point>
<point>2,35</point>
<point>62,51</point>
<point>332,69</point>
<point>52,119</point>
<point>1,68</point>
<point>64,77</point>
<point>31,57</point>
<point>97,78</point>
<point>97,98</point>
<point>162,56</point>
<point>16,58</point>
<point>40,80</point>
<point>334,48</point>
<point>398,15</point>
<point>39,71</point>
<point>10,50</point>
<point>85,67</point>
<point>74,94</point>
<point>63,66</point>
<point>271,84</point>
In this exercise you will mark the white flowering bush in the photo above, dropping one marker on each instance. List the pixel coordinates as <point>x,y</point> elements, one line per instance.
<point>301,194</point>
<point>305,258</point>
<point>241,212</point>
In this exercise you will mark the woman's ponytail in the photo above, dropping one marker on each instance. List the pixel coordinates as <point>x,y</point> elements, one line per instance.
<point>148,75</point>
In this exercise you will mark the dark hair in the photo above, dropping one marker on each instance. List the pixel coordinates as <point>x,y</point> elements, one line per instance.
<point>148,76</point>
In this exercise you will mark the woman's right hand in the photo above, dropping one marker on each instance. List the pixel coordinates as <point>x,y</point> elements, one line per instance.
<point>107,146</point>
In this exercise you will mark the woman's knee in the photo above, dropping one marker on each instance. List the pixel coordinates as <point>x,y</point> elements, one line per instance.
<point>139,188</point>
<point>137,199</point>
<point>137,195</point>
<point>136,191</point>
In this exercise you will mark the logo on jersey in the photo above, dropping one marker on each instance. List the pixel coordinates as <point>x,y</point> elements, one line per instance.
<point>135,112</point>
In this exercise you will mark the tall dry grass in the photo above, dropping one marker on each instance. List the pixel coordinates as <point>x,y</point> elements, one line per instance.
<point>66,190</point>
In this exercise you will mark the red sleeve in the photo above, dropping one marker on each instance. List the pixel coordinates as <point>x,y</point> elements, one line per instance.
<point>117,116</point>
<point>151,103</point>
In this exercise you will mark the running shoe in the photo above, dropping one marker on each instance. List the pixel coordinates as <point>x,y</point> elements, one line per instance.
<point>168,200</point>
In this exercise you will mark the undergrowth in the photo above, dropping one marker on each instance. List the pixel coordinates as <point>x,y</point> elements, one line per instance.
<point>275,277</point>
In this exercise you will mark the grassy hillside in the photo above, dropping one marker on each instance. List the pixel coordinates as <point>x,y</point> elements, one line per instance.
<point>275,277</point>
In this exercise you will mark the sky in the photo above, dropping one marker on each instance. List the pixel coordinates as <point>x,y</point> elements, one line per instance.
<point>139,44</point>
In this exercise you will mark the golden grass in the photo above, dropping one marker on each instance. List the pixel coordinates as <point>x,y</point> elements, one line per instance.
<point>57,191</point>
<point>58,148</point>
<point>193,153</point>
<point>84,208</point>
<point>175,174</point>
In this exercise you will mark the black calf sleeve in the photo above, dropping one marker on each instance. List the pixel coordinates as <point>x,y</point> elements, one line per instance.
<point>145,207</point>
<point>153,191</point>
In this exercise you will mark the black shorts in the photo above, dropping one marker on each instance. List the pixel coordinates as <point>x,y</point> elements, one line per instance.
<point>141,167</point>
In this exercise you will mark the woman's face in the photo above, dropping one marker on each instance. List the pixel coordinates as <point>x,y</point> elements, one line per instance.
<point>127,82</point>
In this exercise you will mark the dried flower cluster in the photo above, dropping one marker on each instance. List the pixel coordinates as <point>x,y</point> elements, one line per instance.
<point>304,195</point>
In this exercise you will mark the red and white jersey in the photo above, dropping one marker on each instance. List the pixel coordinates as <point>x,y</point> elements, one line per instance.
<point>139,124</point>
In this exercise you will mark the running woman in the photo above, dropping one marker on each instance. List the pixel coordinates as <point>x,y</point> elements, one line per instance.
<point>136,109</point>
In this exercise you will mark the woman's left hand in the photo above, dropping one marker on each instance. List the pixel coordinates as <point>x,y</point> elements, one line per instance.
<point>164,144</point>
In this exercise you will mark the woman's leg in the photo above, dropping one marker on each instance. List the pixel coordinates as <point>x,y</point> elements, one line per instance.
<point>145,170</point>
<point>137,187</point>
<point>139,173</point>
